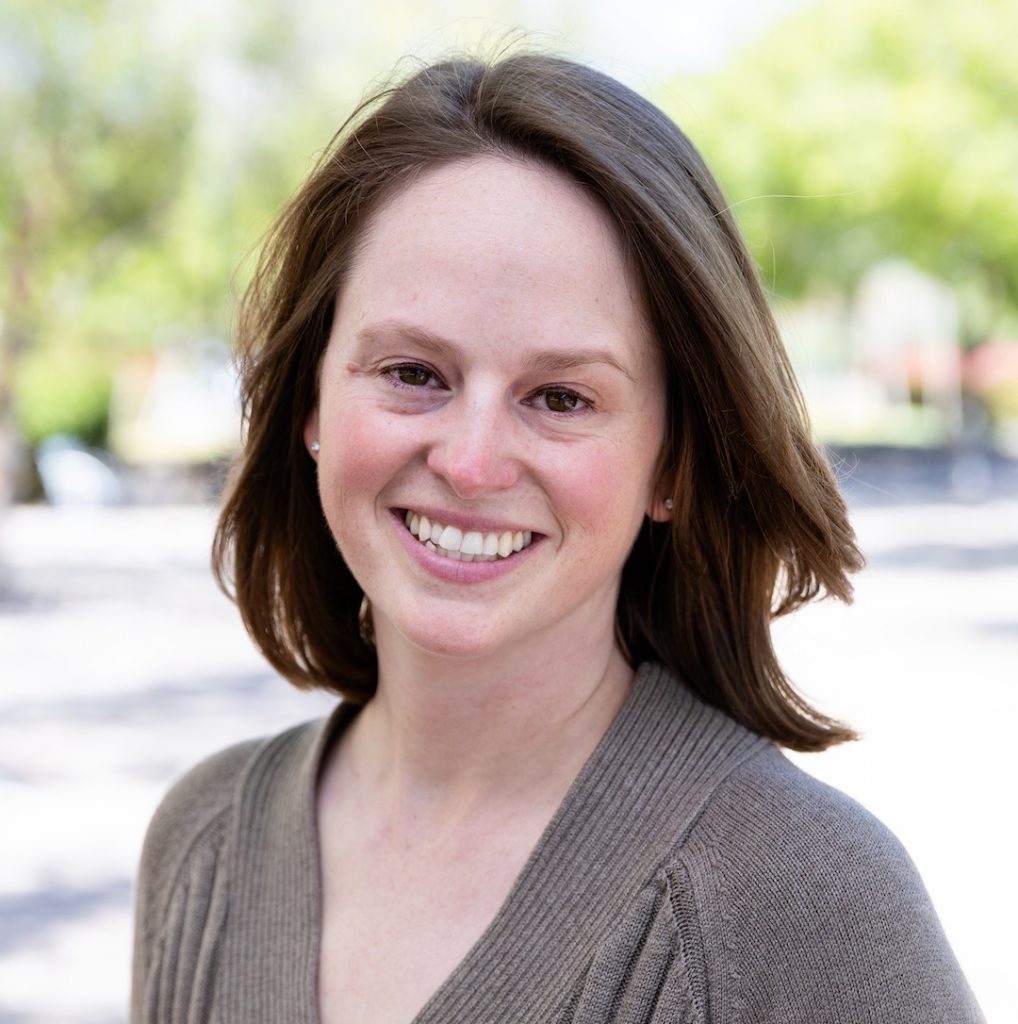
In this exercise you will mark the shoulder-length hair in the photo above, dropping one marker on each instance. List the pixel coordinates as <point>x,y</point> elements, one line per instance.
<point>758,525</point>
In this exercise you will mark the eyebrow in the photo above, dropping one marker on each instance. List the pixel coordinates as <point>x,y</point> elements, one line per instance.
<point>547,361</point>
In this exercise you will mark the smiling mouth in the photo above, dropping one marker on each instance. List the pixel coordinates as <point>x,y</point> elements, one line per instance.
<point>469,546</point>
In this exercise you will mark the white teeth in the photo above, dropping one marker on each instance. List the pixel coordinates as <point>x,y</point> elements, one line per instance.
<point>472,546</point>
<point>451,539</point>
<point>473,543</point>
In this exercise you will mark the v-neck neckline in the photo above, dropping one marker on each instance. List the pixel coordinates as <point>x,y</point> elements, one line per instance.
<point>600,847</point>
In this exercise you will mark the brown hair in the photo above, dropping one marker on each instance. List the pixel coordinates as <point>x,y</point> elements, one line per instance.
<point>758,526</point>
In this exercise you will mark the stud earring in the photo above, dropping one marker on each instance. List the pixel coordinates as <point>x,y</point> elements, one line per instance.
<point>315,447</point>
<point>669,504</point>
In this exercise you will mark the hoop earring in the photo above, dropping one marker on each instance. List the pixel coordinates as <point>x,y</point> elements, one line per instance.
<point>365,626</point>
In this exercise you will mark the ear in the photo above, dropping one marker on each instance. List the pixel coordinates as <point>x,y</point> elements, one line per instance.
<point>661,504</point>
<point>311,434</point>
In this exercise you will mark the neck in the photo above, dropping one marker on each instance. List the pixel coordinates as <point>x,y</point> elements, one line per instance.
<point>447,736</point>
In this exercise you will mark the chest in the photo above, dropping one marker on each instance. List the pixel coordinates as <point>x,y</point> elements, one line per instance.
<point>397,923</point>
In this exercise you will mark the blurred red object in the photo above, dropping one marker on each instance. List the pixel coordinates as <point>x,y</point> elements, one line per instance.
<point>990,364</point>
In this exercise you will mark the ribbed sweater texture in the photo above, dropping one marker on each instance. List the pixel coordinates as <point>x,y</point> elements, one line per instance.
<point>691,875</point>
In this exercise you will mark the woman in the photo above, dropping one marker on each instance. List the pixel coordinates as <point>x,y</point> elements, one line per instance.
<point>526,478</point>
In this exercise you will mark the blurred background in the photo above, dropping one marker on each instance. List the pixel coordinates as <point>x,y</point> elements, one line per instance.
<point>870,153</point>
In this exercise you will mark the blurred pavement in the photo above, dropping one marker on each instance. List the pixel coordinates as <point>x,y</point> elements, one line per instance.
<point>121,665</point>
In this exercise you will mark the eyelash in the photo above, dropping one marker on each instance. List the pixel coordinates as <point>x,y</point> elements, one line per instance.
<point>390,373</point>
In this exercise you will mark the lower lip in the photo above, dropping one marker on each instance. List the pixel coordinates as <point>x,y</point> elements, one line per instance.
<point>451,570</point>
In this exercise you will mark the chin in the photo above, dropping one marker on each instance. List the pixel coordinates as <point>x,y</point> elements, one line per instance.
<point>459,646</point>
<point>463,639</point>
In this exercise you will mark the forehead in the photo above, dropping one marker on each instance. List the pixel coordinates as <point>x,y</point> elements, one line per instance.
<point>480,194</point>
<point>495,246</point>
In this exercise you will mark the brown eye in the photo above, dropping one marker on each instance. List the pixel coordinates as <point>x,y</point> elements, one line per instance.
<point>561,401</point>
<point>412,376</point>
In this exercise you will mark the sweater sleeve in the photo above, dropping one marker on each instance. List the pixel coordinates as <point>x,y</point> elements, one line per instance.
<point>811,911</point>
<point>179,865</point>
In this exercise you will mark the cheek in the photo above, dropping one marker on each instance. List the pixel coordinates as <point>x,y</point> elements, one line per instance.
<point>361,453</point>
<point>605,494</point>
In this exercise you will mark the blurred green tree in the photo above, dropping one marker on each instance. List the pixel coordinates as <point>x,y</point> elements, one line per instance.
<point>92,115</point>
<point>849,133</point>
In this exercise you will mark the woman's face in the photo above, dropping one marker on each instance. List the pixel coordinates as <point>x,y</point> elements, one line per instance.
<point>490,414</point>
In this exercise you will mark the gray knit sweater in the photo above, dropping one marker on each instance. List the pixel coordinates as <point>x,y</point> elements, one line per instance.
<point>692,874</point>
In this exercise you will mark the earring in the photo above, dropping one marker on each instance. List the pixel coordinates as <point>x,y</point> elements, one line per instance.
<point>365,626</point>
<point>315,447</point>
<point>669,504</point>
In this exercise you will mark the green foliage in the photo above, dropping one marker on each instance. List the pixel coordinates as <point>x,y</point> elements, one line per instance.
<point>62,392</point>
<point>93,116</point>
<point>854,132</point>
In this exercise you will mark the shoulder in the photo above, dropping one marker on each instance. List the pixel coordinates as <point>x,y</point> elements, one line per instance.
<point>184,878</point>
<point>771,816</point>
<point>810,908</point>
<point>184,839</point>
<point>187,830</point>
<point>192,806</point>
<point>201,806</point>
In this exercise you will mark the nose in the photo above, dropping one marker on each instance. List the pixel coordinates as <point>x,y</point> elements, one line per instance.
<point>474,448</point>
